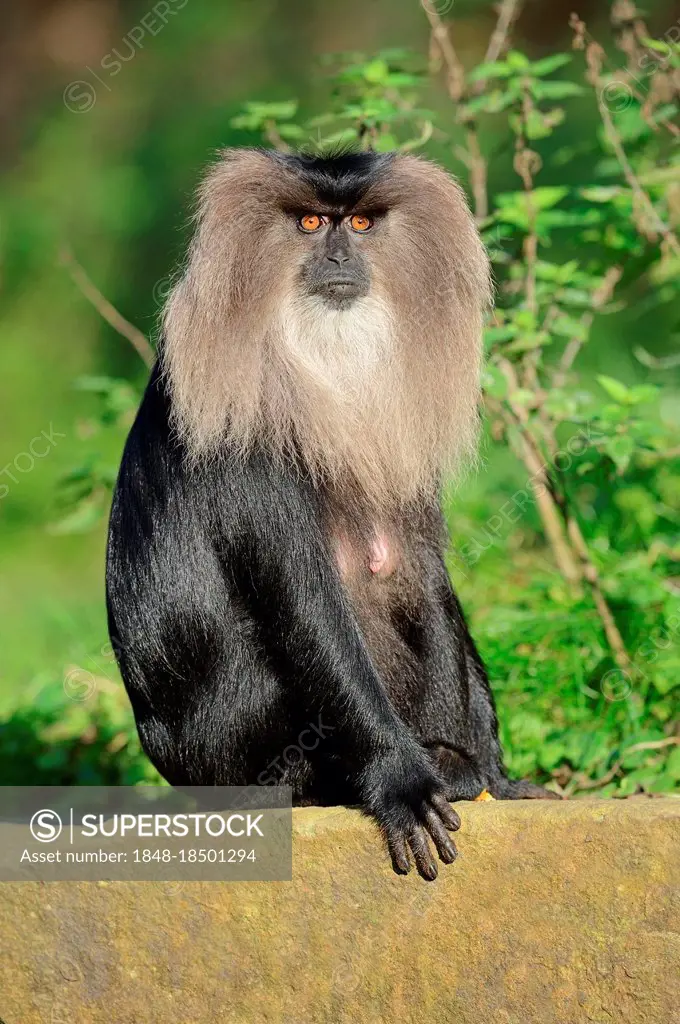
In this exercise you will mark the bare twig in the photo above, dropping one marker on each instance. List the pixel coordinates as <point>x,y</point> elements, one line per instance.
<point>561,528</point>
<point>591,576</point>
<point>478,175</point>
<point>582,38</point>
<point>441,46</point>
<point>271,133</point>
<point>601,296</point>
<point>540,483</point>
<point>86,286</point>
<point>508,12</point>
<point>423,138</point>
<point>571,552</point>
<point>632,180</point>
<point>658,548</point>
<point>527,163</point>
<point>441,42</point>
<point>654,362</point>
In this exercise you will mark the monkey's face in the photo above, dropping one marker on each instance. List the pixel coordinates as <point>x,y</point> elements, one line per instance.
<point>335,256</point>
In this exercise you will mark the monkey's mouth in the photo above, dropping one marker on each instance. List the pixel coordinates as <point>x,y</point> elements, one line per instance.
<point>340,292</point>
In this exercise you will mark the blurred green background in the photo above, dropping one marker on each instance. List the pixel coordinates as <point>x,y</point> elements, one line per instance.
<point>108,113</point>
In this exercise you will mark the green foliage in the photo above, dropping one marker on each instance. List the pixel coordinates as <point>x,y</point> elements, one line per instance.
<point>566,549</point>
<point>373,106</point>
<point>73,737</point>
<point>85,491</point>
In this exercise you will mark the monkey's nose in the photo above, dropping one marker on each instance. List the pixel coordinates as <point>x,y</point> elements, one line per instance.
<point>338,258</point>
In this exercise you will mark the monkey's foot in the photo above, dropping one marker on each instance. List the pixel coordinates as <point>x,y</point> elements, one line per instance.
<point>520,789</point>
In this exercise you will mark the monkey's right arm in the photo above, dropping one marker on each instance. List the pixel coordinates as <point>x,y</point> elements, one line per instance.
<point>290,585</point>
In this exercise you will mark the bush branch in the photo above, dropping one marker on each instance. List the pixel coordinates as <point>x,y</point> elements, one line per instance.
<point>88,288</point>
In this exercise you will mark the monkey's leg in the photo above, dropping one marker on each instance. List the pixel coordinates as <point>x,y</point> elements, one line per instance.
<point>307,629</point>
<point>209,712</point>
<point>461,727</point>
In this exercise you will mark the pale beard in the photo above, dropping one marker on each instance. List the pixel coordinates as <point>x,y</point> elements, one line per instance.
<point>341,392</point>
<point>346,353</point>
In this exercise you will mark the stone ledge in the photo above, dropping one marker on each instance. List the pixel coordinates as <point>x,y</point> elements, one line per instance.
<point>554,913</point>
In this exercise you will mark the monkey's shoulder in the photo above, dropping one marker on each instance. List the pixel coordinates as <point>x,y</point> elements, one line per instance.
<point>157,468</point>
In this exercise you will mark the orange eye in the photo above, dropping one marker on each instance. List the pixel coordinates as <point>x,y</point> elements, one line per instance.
<point>310,222</point>
<point>359,223</point>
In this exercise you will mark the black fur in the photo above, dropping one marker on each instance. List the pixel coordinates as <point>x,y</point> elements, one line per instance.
<point>247,660</point>
<point>339,181</point>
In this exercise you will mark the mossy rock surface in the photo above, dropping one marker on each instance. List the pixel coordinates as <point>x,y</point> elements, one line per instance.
<point>554,913</point>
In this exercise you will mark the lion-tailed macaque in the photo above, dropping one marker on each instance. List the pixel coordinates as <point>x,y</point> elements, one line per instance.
<point>276,549</point>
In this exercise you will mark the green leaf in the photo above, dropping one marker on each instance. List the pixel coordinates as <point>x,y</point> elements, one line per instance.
<point>282,111</point>
<point>568,327</point>
<point>376,71</point>
<point>524,319</point>
<point>491,103</point>
<point>291,131</point>
<point>661,175</point>
<point>562,272</point>
<point>549,64</point>
<point>517,61</point>
<point>385,143</point>
<point>523,396</point>
<point>538,125</point>
<point>620,449</point>
<point>643,393</point>
<point>398,79</point>
<point>99,385</point>
<point>556,90</point>
<point>656,44</point>
<point>492,335</point>
<point>494,382</point>
<point>615,389</point>
<point>600,193</point>
<point>540,198</point>
<point>673,763</point>
<point>82,519</point>
<point>665,684</point>
<point>78,474</point>
<point>491,69</point>
<point>529,342</point>
<point>339,138</point>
